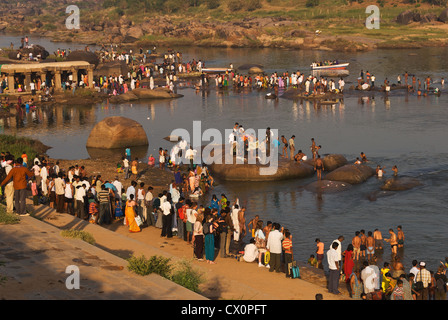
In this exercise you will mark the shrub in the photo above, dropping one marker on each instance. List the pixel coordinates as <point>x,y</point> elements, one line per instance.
<point>156,264</point>
<point>183,274</point>
<point>312,3</point>
<point>78,234</point>
<point>186,276</point>
<point>235,5</point>
<point>8,218</point>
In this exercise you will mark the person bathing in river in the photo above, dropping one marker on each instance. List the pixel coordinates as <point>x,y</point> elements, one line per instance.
<point>318,167</point>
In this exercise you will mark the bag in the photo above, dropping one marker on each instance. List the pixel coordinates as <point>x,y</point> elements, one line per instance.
<point>419,284</point>
<point>294,270</point>
<point>440,285</point>
<point>266,257</point>
<point>138,220</point>
<point>206,228</point>
<point>260,243</point>
<point>181,213</point>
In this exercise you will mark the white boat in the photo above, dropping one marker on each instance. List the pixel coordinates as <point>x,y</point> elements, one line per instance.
<point>216,70</point>
<point>339,66</point>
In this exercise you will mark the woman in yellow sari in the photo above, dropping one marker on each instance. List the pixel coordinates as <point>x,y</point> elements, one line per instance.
<point>130,215</point>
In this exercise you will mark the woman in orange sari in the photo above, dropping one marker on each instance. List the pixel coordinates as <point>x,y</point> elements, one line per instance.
<point>130,215</point>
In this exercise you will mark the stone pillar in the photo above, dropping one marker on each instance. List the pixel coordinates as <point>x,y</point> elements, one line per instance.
<point>57,80</point>
<point>11,83</point>
<point>27,81</point>
<point>90,77</point>
<point>75,76</point>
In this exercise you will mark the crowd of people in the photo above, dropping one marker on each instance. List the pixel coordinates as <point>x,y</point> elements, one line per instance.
<point>358,268</point>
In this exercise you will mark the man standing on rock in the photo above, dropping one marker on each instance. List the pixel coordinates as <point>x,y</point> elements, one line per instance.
<point>333,265</point>
<point>292,147</point>
<point>19,174</point>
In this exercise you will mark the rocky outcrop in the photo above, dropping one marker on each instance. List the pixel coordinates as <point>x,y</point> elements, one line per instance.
<point>443,17</point>
<point>327,186</point>
<point>144,93</point>
<point>331,161</point>
<point>400,184</point>
<point>117,132</point>
<point>82,55</point>
<point>351,173</point>
<point>409,16</point>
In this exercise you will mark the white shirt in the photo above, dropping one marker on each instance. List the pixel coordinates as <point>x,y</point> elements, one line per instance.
<point>338,250</point>
<point>368,277</point>
<point>166,208</point>
<point>80,193</point>
<point>130,190</point>
<point>274,243</point>
<point>250,252</point>
<point>332,258</point>
<point>191,215</point>
<point>119,186</point>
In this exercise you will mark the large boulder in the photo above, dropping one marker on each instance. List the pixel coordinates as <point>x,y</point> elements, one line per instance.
<point>351,173</point>
<point>252,172</point>
<point>443,17</point>
<point>331,161</point>
<point>36,50</point>
<point>158,93</point>
<point>408,16</point>
<point>237,171</point>
<point>400,184</point>
<point>82,55</point>
<point>327,186</point>
<point>117,132</point>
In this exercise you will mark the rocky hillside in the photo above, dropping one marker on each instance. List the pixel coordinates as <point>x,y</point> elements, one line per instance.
<point>225,23</point>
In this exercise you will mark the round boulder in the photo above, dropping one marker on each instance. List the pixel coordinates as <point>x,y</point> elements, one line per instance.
<point>351,173</point>
<point>82,55</point>
<point>331,161</point>
<point>400,184</point>
<point>327,186</point>
<point>117,132</point>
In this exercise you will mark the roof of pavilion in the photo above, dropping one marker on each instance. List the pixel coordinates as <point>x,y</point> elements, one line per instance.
<point>49,66</point>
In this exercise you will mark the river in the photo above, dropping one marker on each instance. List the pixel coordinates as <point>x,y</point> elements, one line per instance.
<point>403,130</point>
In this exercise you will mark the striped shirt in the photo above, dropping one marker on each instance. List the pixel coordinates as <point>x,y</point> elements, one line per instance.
<point>287,245</point>
<point>103,196</point>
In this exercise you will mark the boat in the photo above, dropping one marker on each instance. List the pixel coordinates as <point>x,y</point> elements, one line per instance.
<point>216,70</point>
<point>338,66</point>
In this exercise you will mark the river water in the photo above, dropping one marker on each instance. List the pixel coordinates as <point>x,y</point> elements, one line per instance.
<point>403,130</point>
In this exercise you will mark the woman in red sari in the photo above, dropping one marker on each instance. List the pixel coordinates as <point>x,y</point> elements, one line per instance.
<point>348,262</point>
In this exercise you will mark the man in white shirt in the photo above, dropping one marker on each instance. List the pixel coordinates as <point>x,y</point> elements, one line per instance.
<point>369,278</point>
<point>131,190</point>
<point>333,265</point>
<point>119,186</point>
<point>9,188</point>
<point>274,245</point>
<point>339,251</point>
<point>414,268</point>
<point>190,154</point>
<point>191,219</point>
<point>250,251</point>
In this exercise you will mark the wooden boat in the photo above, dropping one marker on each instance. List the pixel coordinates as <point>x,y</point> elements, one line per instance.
<point>216,70</point>
<point>339,66</point>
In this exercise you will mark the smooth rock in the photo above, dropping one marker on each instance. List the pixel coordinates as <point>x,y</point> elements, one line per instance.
<point>351,173</point>
<point>400,184</point>
<point>117,132</point>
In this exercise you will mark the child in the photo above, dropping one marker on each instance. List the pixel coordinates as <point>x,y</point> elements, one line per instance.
<point>93,211</point>
<point>119,168</point>
<point>118,210</point>
<point>312,261</point>
<point>34,192</point>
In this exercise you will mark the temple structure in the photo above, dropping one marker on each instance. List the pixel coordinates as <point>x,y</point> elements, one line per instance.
<point>53,74</point>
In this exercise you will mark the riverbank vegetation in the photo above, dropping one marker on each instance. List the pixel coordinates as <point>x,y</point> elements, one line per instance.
<point>17,145</point>
<point>238,23</point>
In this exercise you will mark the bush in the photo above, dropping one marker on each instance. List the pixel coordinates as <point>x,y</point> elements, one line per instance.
<point>183,274</point>
<point>8,218</point>
<point>312,3</point>
<point>212,4</point>
<point>251,5</point>
<point>78,234</point>
<point>235,5</point>
<point>156,264</point>
<point>187,277</point>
